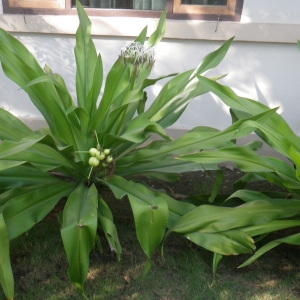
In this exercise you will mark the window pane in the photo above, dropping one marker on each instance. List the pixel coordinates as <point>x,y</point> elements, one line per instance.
<point>125,4</point>
<point>205,2</point>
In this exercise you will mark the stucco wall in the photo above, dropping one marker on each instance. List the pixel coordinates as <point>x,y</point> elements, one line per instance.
<point>263,62</point>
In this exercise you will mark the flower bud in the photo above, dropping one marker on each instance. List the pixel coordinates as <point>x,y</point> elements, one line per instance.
<point>100,155</point>
<point>106,151</point>
<point>109,159</point>
<point>93,152</point>
<point>93,161</point>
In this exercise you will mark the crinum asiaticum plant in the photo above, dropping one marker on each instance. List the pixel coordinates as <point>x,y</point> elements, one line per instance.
<point>94,144</point>
<point>263,212</point>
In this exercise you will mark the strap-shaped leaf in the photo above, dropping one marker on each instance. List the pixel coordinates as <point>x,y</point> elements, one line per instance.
<point>195,140</point>
<point>168,95</point>
<point>28,208</point>
<point>79,231</point>
<point>231,242</point>
<point>21,67</point>
<point>6,275</point>
<point>275,170</point>
<point>59,84</point>
<point>89,65</point>
<point>245,159</point>
<point>12,128</point>
<point>7,164</point>
<point>95,89</point>
<point>165,169</point>
<point>216,260</point>
<point>138,128</point>
<point>8,148</point>
<point>150,212</point>
<point>280,139</point>
<point>216,186</point>
<point>158,34</point>
<point>291,240</point>
<point>142,36</point>
<point>24,175</point>
<point>61,88</point>
<point>44,156</point>
<point>118,82</point>
<point>207,218</point>
<point>268,227</point>
<point>16,192</point>
<point>214,58</point>
<point>150,223</point>
<point>107,223</point>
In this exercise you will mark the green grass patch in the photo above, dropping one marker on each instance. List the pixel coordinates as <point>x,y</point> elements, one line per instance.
<point>184,272</point>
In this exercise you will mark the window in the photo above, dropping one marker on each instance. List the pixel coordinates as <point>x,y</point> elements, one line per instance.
<point>176,9</point>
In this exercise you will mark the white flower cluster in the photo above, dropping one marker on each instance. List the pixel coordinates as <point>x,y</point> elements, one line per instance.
<point>138,54</point>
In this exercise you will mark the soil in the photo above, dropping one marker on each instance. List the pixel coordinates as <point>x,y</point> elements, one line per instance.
<point>201,182</point>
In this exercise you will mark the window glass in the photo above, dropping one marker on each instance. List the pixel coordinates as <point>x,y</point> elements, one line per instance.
<point>204,2</point>
<point>125,4</point>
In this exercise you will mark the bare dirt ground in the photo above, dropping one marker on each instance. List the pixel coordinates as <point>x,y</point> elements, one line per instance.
<point>201,182</point>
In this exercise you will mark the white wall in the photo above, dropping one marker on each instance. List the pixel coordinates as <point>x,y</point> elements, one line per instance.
<point>268,71</point>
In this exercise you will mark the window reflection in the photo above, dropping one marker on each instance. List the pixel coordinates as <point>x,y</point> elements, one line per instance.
<point>125,4</point>
<point>204,2</point>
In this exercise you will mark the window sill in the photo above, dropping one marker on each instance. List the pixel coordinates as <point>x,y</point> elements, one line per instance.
<point>176,29</point>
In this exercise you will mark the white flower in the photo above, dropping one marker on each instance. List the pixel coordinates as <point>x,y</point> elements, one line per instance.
<point>137,54</point>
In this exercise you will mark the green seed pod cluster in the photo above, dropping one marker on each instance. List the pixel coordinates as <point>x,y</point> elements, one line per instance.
<point>98,156</point>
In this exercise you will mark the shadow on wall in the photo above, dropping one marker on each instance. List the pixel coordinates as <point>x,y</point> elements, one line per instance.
<point>268,72</point>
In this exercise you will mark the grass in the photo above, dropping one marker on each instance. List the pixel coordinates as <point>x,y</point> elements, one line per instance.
<point>184,272</point>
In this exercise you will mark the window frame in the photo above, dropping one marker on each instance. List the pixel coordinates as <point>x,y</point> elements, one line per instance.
<point>59,4</point>
<point>174,8</point>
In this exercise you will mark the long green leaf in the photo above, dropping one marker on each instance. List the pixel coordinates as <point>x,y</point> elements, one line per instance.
<point>195,140</point>
<point>158,34</point>
<point>31,206</point>
<point>24,175</point>
<point>61,88</point>
<point>122,187</point>
<point>249,161</point>
<point>231,242</point>
<point>8,164</point>
<point>216,260</point>
<point>268,227</point>
<point>244,158</point>
<point>207,218</point>
<point>214,58</point>
<point>12,128</point>
<point>107,223</point>
<point>150,212</point>
<point>137,129</point>
<point>21,67</point>
<point>280,139</point>
<point>43,155</point>
<point>6,275</point>
<point>117,83</point>
<point>150,223</point>
<point>16,192</point>
<point>58,83</point>
<point>8,148</point>
<point>89,65</point>
<point>182,88</point>
<point>79,231</point>
<point>292,240</point>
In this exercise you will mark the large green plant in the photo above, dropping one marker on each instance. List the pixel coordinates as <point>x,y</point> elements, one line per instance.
<point>91,145</point>
<point>282,210</point>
